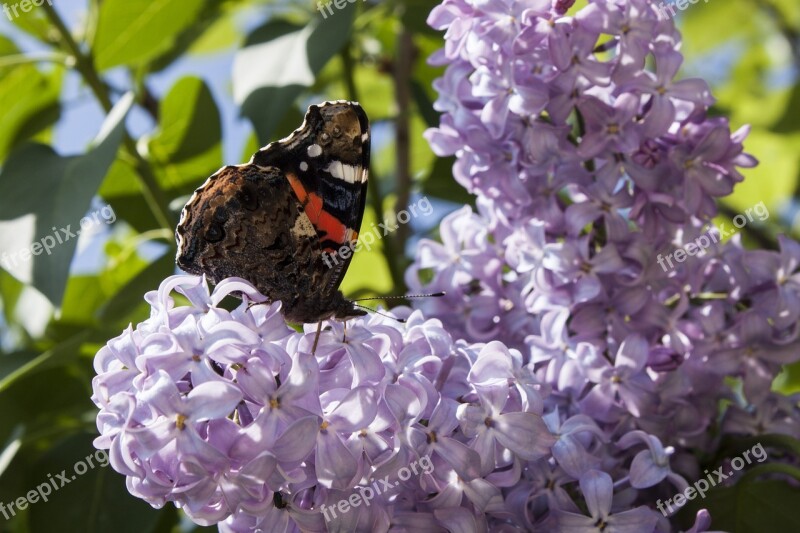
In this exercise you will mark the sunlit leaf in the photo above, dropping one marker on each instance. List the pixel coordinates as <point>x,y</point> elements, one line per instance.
<point>222,33</point>
<point>279,61</point>
<point>43,197</point>
<point>122,190</point>
<point>701,28</point>
<point>131,297</point>
<point>368,273</point>
<point>131,32</point>
<point>35,97</point>
<point>773,180</point>
<point>186,148</point>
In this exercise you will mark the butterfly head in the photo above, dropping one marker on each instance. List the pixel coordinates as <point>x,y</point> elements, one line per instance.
<point>308,309</point>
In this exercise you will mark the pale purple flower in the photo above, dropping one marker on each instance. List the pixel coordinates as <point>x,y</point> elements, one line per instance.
<point>229,415</point>
<point>597,489</point>
<point>583,198</point>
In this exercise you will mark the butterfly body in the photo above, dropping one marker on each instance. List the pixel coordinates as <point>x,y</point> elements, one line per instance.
<point>271,221</point>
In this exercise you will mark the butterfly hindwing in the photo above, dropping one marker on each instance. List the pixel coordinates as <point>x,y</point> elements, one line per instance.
<point>241,223</point>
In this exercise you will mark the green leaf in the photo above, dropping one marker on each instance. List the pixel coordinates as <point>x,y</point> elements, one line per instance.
<point>696,21</point>
<point>132,32</point>
<point>421,156</point>
<point>131,296</point>
<point>210,17</point>
<point>26,367</point>
<point>221,34</point>
<point>47,405</point>
<point>43,196</point>
<point>790,118</point>
<point>25,309</point>
<point>368,273</point>
<point>281,60</point>
<point>92,501</point>
<point>186,149</point>
<point>122,190</point>
<point>415,16</point>
<point>778,167</point>
<point>82,296</point>
<point>749,507</point>
<point>788,381</point>
<point>34,21</point>
<point>35,97</point>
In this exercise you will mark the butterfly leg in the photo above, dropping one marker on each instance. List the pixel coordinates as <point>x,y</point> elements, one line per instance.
<point>316,337</point>
<point>344,337</point>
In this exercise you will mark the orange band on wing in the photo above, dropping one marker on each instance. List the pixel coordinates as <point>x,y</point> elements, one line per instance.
<point>323,221</point>
<point>297,187</point>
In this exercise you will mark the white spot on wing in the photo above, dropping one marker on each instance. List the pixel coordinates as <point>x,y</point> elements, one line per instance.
<point>348,173</point>
<point>303,166</point>
<point>365,137</point>
<point>335,169</point>
<point>314,150</point>
<point>303,226</point>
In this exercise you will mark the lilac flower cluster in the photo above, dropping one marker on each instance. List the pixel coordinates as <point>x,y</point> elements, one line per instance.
<point>589,159</point>
<point>228,415</point>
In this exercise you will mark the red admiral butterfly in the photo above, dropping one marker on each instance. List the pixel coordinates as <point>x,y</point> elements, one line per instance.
<point>271,221</point>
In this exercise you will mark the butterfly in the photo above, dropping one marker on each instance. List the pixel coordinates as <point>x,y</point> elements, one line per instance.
<point>277,220</point>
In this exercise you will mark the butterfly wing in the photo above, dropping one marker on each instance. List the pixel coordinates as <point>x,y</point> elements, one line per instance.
<point>326,162</point>
<point>281,220</point>
<point>246,222</point>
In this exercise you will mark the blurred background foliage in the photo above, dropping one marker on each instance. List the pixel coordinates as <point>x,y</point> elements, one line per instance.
<point>133,103</point>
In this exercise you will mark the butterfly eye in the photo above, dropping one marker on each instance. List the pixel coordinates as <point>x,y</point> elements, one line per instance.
<point>337,131</point>
<point>214,233</point>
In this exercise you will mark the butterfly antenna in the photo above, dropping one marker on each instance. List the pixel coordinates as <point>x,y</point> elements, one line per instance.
<point>403,297</point>
<point>401,320</point>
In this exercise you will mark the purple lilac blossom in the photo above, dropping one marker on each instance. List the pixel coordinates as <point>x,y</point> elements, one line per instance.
<point>592,162</point>
<point>228,415</point>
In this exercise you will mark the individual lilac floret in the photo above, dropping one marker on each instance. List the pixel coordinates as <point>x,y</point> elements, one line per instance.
<point>598,490</point>
<point>229,416</point>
